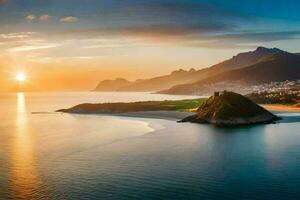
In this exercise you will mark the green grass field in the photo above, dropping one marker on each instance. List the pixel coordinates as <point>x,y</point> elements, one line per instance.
<point>188,105</point>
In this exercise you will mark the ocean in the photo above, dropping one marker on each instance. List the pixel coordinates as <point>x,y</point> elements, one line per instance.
<point>49,155</point>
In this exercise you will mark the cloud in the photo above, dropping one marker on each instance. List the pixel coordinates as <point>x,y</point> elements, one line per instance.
<point>26,42</point>
<point>69,19</point>
<point>118,37</point>
<point>32,47</point>
<point>201,36</point>
<point>158,20</point>
<point>14,36</point>
<point>260,36</point>
<point>30,17</point>
<point>239,40</point>
<point>44,17</point>
<point>150,32</point>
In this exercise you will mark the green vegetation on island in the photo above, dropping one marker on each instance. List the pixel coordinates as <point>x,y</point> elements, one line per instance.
<point>188,105</point>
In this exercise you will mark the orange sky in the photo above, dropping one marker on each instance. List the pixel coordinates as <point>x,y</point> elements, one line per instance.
<point>77,65</point>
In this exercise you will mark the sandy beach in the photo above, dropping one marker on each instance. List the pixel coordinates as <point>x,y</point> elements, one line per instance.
<point>170,115</point>
<point>178,115</point>
<point>280,108</point>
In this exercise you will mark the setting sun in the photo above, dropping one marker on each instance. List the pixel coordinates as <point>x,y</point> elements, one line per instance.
<point>21,76</point>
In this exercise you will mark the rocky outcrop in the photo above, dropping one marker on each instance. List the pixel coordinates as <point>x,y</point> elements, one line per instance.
<point>230,109</point>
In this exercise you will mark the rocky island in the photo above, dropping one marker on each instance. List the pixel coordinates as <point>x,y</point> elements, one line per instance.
<point>230,109</point>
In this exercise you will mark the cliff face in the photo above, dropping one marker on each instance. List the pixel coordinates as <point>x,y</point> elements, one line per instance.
<point>228,108</point>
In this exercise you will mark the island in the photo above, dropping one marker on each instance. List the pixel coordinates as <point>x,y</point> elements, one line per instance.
<point>230,109</point>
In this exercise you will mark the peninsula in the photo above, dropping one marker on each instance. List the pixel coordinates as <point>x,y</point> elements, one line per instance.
<point>114,108</point>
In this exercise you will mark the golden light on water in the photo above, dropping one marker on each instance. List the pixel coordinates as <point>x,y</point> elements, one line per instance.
<point>24,177</point>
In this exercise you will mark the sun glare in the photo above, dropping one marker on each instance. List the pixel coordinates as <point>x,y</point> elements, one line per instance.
<point>21,76</point>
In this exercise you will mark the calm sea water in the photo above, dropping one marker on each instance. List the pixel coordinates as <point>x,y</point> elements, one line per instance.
<point>46,155</point>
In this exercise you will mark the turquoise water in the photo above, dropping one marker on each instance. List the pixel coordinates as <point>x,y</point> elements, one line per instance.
<point>48,155</point>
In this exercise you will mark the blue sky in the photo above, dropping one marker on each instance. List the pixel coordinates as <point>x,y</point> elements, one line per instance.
<point>269,15</point>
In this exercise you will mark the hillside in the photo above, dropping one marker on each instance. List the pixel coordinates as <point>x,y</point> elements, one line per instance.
<point>228,108</point>
<point>112,85</point>
<point>167,81</point>
<point>277,67</point>
<point>184,77</point>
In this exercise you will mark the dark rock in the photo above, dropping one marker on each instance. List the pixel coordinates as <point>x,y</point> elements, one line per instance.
<point>230,109</point>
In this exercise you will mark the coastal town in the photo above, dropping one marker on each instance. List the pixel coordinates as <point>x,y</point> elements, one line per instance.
<point>289,87</point>
<point>286,92</point>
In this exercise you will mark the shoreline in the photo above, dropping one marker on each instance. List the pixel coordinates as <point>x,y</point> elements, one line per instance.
<point>280,108</point>
<point>178,115</point>
<point>166,115</point>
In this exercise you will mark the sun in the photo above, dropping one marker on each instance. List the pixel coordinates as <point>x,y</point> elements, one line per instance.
<point>21,77</point>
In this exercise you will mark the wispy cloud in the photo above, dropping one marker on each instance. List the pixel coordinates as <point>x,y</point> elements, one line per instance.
<point>44,17</point>
<point>196,37</point>
<point>30,17</point>
<point>20,35</point>
<point>32,47</point>
<point>26,42</point>
<point>68,19</point>
<point>260,36</point>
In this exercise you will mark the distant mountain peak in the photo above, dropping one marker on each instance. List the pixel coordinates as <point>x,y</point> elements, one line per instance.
<point>178,72</point>
<point>260,48</point>
<point>251,57</point>
<point>266,50</point>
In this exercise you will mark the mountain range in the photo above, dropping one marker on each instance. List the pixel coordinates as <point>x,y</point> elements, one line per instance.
<point>249,68</point>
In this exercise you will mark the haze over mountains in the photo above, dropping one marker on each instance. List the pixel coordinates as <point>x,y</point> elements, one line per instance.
<point>250,68</point>
<point>112,85</point>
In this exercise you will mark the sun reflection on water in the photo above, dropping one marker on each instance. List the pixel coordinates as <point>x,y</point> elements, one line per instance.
<point>24,178</point>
